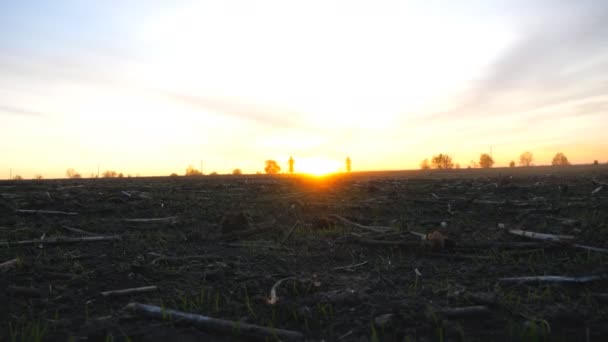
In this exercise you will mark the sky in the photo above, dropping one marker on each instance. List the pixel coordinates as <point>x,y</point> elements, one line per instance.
<point>150,87</point>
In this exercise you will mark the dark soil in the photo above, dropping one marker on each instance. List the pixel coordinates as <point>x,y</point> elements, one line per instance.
<point>344,282</point>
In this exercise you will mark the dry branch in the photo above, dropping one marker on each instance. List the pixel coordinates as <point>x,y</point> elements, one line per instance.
<point>554,279</point>
<point>5,266</point>
<point>171,219</point>
<point>540,236</point>
<point>375,229</point>
<point>289,232</point>
<point>134,290</point>
<point>78,231</point>
<point>590,248</point>
<point>45,212</point>
<point>242,330</point>
<point>349,267</point>
<point>185,258</point>
<point>70,187</point>
<point>59,240</point>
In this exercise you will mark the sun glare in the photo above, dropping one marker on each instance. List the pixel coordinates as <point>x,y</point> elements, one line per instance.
<point>317,166</point>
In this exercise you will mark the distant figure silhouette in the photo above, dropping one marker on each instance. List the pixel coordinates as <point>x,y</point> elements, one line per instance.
<point>348,164</point>
<point>291,162</point>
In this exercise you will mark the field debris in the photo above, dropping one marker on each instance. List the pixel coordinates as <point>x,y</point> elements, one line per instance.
<point>130,291</point>
<point>239,329</point>
<point>45,212</point>
<point>347,257</point>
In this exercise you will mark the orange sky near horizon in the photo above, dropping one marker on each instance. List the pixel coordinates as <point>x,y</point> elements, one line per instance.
<point>148,88</point>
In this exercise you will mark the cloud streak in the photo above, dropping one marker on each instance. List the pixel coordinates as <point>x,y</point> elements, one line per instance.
<point>561,59</point>
<point>11,110</point>
<point>265,114</point>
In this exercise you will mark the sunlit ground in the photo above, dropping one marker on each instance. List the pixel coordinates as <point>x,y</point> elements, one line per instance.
<point>317,167</point>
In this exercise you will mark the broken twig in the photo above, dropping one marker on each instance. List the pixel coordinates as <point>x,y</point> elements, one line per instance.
<point>78,231</point>
<point>134,290</point>
<point>215,324</point>
<point>45,212</point>
<point>5,266</point>
<point>59,240</point>
<point>554,279</point>
<point>540,236</point>
<point>376,229</point>
<point>148,220</point>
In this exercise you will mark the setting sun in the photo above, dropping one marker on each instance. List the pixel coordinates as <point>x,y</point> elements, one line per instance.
<point>317,166</point>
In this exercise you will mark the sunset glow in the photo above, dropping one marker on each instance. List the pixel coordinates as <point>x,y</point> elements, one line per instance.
<point>318,166</point>
<point>149,88</point>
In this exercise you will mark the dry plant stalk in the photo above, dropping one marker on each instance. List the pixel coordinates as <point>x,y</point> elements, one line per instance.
<point>242,330</point>
<point>134,290</point>
<point>375,229</point>
<point>273,299</point>
<point>148,220</point>
<point>5,266</point>
<point>60,240</point>
<point>45,212</point>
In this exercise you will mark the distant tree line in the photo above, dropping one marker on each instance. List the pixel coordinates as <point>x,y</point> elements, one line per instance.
<point>444,161</point>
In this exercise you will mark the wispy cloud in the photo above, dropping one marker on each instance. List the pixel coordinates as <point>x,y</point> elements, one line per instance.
<point>11,110</point>
<point>562,57</point>
<point>241,109</point>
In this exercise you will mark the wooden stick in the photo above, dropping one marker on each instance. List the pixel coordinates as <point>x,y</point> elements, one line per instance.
<point>349,267</point>
<point>540,236</point>
<point>289,232</point>
<point>70,187</point>
<point>45,212</point>
<point>5,266</point>
<point>376,229</point>
<point>59,240</point>
<point>147,220</point>
<point>554,279</point>
<point>590,248</point>
<point>189,257</point>
<point>78,231</point>
<point>134,290</point>
<point>215,324</point>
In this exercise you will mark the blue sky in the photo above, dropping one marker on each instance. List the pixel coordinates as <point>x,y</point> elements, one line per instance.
<point>149,87</point>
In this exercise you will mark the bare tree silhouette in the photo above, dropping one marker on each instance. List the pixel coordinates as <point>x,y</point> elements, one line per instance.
<point>109,174</point>
<point>38,176</point>
<point>424,165</point>
<point>560,160</point>
<point>525,159</point>
<point>191,171</point>
<point>272,168</point>
<point>485,161</point>
<point>512,163</point>
<point>442,161</point>
<point>71,173</point>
